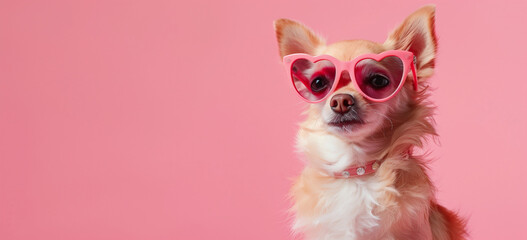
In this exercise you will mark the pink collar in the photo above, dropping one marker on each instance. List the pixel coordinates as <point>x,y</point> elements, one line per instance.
<point>359,170</point>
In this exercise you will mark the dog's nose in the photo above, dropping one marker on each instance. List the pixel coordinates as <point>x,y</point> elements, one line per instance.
<point>341,103</point>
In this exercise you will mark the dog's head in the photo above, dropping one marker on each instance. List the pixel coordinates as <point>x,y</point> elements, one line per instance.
<point>346,126</point>
<point>345,112</point>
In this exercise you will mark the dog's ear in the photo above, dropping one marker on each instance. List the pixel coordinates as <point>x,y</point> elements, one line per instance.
<point>417,35</point>
<point>294,37</point>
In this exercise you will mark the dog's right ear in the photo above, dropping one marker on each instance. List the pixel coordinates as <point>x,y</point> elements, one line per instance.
<point>294,37</point>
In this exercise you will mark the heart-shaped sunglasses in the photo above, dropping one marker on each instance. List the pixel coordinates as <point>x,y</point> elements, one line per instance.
<point>378,77</point>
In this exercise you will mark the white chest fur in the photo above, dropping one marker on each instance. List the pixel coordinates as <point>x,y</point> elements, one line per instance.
<point>344,210</point>
<point>335,208</point>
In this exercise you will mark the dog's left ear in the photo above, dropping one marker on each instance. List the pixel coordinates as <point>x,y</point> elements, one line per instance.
<point>417,35</point>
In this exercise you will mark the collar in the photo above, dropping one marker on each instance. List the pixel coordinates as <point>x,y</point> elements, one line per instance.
<point>359,170</point>
<point>365,169</point>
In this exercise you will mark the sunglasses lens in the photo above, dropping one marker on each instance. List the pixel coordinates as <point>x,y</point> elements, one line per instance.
<point>313,80</point>
<point>379,79</point>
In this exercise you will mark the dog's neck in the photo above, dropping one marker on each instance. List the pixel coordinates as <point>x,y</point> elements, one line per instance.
<point>338,157</point>
<point>333,155</point>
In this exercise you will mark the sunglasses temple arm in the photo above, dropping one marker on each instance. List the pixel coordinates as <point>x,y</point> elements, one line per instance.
<point>415,76</point>
<point>302,78</point>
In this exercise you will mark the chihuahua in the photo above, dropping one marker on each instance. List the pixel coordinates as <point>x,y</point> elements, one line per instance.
<point>368,112</point>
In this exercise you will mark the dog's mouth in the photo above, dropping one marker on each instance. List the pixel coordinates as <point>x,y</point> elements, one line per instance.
<point>345,121</point>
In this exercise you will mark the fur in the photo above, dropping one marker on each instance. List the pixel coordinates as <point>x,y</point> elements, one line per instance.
<point>397,202</point>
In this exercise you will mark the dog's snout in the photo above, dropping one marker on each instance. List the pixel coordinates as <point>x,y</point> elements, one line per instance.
<point>341,103</point>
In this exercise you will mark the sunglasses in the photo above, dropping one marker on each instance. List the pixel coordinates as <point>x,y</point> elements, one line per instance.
<point>378,77</point>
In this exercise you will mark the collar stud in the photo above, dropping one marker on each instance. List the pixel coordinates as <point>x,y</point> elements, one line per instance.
<point>361,171</point>
<point>375,166</point>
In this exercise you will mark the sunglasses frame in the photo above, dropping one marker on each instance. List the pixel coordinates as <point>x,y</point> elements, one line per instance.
<point>408,59</point>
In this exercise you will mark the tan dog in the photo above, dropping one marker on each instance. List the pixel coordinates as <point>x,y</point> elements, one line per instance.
<point>396,201</point>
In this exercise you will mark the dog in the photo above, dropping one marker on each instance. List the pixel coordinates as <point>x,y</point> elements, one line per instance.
<point>368,112</point>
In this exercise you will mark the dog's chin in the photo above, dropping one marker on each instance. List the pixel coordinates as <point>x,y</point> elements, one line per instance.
<point>345,124</point>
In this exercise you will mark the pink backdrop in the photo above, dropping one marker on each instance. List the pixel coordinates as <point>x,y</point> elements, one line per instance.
<point>173,119</point>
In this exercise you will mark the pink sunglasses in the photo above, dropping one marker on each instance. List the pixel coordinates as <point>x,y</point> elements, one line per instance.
<point>378,77</point>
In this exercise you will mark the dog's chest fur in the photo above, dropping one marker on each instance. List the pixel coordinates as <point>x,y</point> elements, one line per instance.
<point>329,208</point>
<point>362,207</point>
<point>344,208</point>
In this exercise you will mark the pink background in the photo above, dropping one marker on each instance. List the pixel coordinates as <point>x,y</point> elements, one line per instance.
<point>174,120</point>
